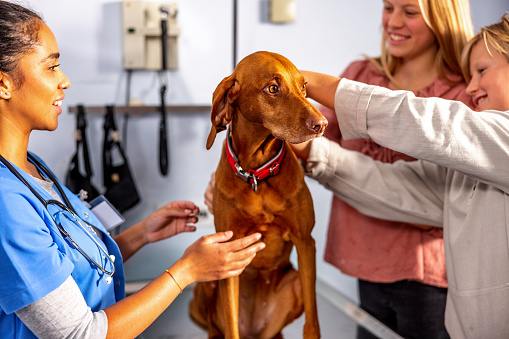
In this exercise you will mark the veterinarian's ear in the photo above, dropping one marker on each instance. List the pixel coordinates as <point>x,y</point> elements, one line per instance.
<point>222,99</point>
<point>6,85</point>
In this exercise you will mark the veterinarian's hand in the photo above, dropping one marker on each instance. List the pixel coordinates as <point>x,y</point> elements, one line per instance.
<point>171,219</point>
<point>209,193</point>
<point>213,257</point>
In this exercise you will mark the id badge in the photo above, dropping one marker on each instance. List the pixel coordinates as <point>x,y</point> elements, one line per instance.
<point>106,213</point>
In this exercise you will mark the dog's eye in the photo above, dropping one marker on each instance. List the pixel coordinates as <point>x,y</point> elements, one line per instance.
<point>272,89</point>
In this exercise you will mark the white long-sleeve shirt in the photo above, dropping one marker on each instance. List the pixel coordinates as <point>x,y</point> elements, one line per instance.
<point>463,184</point>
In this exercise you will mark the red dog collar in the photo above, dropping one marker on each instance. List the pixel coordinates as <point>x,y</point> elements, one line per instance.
<point>252,177</point>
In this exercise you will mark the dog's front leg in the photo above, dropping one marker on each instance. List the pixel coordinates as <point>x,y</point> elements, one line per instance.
<point>307,271</point>
<point>229,296</point>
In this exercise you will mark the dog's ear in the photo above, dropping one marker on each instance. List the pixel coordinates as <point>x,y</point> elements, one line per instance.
<point>222,110</point>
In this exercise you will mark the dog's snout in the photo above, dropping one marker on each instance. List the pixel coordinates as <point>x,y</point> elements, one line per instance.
<point>317,124</point>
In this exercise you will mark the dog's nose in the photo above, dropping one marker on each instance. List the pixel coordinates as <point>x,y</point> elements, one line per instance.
<point>317,124</point>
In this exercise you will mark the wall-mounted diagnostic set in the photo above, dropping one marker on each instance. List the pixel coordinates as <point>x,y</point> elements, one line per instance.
<point>143,31</point>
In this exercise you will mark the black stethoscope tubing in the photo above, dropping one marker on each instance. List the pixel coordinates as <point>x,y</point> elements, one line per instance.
<point>68,207</point>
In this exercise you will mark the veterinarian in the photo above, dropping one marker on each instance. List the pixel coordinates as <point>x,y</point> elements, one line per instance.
<point>52,286</point>
<point>401,283</point>
<point>460,182</point>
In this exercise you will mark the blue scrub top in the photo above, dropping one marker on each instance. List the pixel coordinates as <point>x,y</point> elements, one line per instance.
<point>35,258</point>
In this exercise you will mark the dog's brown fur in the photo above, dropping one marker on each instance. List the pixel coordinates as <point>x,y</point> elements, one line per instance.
<point>270,292</point>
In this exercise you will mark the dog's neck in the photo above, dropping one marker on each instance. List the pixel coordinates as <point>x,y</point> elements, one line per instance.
<point>253,144</point>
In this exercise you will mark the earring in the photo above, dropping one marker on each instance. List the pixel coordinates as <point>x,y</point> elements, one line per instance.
<point>1,93</point>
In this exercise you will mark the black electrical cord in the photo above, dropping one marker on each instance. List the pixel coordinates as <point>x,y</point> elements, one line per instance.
<point>127,100</point>
<point>163,140</point>
<point>234,34</point>
<point>163,133</point>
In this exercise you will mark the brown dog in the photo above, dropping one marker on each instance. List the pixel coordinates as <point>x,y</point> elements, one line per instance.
<point>260,188</point>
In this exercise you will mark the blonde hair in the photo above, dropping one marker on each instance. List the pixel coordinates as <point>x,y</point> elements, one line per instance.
<point>450,22</point>
<point>496,36</point>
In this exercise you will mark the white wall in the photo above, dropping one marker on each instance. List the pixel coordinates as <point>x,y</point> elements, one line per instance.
<point>326,36</point>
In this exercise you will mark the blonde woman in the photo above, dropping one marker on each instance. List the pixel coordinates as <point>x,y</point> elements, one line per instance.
<point>401,268</point>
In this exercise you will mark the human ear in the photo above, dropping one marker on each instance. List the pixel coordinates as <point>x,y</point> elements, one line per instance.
<point>6,86</point>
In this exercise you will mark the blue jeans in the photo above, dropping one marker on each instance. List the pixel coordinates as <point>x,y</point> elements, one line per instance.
<point>410,308</point>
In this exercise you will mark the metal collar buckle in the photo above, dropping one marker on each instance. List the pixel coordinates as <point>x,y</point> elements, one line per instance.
<point>250,178</point>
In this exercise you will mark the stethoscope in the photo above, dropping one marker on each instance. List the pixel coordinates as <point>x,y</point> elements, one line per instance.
<point>67,208</point>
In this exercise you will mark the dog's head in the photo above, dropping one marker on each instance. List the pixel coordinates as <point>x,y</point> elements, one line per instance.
<point>267,89</point>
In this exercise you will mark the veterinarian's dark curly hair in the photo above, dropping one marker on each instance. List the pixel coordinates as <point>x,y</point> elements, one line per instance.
<point>19,34</point>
